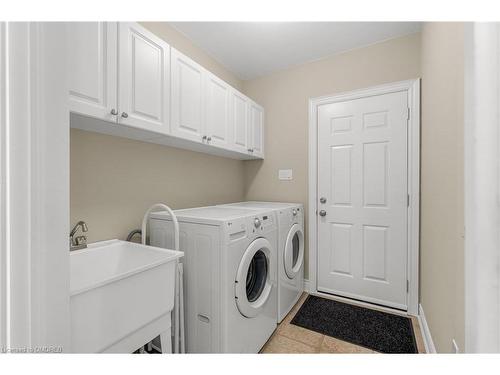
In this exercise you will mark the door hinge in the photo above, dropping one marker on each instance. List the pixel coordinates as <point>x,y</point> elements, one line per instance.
<point>407,286</point>
<point>408,114</point>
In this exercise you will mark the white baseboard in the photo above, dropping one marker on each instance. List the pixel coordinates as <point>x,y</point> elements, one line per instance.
<point>306,286</point>
<point>426,333</point>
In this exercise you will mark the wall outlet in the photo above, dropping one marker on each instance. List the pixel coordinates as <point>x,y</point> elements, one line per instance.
<point>454,347</point>
<point>285,174</point>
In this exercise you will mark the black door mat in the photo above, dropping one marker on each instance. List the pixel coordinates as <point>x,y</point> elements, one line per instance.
<point>376,330</point>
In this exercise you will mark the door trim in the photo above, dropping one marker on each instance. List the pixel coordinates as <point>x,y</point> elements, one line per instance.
<point>413,89</point>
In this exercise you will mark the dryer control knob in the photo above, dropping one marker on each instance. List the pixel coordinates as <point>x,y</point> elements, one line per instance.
<point>294,212</point>
<point>256,222</point>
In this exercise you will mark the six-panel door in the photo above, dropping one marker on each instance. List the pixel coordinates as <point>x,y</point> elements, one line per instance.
<point>144,79</point>
<point>362,192</point>
<point>92,66</point>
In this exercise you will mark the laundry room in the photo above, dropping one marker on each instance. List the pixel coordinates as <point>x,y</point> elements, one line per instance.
<point>206,134</point>
<point>257,186</point>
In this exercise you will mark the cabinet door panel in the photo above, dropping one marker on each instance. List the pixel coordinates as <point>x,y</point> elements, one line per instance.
<point>239,119</point>
<point>144,79</point>
<point>217,111</point>
<point>256,133</point>
<point>187,97</point>
<point>92,67</point>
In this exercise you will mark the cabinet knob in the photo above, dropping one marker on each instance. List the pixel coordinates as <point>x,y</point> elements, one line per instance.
<point>249,150</point>
<point>204,138</point>
<point>114,112</point>
<point>124,114</point>
<point>209,139</point>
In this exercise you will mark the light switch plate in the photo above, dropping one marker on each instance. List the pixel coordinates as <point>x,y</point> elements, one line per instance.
<point>285,174</point>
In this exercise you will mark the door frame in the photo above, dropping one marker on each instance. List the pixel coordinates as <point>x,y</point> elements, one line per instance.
<point>412,87</point>
<point>34,197</point>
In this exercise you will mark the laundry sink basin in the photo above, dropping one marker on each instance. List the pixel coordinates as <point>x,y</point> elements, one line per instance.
<point>121,295</point>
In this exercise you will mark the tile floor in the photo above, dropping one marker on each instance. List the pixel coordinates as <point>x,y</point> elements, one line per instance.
<point>289,338</point>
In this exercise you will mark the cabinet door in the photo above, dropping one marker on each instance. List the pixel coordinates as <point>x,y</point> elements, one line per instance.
<point>92,67</point>
<point>187,98</point>
<point>144,79</point>
<point>239,119</point>
<point>256,130</point>
<point>217,94</point>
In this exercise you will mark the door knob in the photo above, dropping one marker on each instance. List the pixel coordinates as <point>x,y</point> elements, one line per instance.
<point>322,200</point>
<point>124,114</point>
<point>322,213</point>
<point>114,112</point>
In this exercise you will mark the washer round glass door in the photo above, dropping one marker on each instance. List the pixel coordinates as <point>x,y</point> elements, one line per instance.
<point>253,285</point>
<point>294,251</point>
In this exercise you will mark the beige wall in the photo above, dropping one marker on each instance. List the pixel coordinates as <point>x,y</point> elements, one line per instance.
<point>285,97</point>
<point>442,183</point>
<point>114,180</point>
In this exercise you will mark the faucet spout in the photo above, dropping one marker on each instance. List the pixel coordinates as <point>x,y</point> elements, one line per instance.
<point>80,242</point>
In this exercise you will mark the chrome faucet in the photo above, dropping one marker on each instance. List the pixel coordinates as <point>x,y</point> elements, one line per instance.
<point>79,242</point>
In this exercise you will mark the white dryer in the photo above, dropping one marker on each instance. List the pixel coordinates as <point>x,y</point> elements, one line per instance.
<point>290,250</point>
<point>230,275</point>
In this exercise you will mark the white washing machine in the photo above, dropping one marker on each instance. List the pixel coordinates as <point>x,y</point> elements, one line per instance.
<point>229,275</point>
<point>290,250</point>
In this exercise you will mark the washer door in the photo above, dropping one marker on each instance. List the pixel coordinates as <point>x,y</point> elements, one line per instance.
<point>294,251</point>
<point>253,285</point>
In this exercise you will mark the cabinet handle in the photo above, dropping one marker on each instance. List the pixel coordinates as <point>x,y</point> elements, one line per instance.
<point>249,150</point>
<point>204,138</point>
<point>209,139</point>
<point>114,112</point>
<point>124,114</point>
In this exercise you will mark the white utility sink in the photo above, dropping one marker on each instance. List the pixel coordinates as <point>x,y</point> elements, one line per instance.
<point>121,295</point>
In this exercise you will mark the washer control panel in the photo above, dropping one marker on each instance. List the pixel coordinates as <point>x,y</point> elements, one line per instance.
<point>262,222</point>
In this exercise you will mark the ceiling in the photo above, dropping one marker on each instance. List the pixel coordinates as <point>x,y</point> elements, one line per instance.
<point>253,49</point>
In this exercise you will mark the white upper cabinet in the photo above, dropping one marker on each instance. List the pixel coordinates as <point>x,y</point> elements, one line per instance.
<point>187,92</point>
<point>144,79</point>
<point>239,120</point>
<point>124,74</point>
<point>256,130</point>
<point>92,65</point>
<point>217,125</point>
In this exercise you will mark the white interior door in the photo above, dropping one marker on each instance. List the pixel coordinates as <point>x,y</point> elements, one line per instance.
<point>362,180</point>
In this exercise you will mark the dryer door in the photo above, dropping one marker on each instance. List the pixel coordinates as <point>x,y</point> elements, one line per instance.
<point>253,285</point>
<point>294,251</point>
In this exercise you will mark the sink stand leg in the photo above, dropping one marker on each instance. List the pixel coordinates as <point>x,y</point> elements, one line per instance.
<point>166,341</point>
